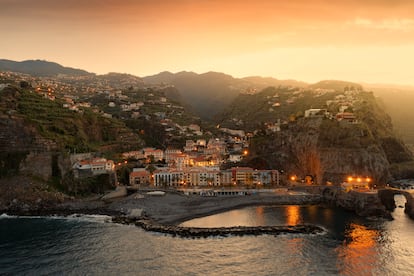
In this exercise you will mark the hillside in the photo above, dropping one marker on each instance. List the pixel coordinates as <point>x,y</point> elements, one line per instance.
<point>271,105</point>
<point>336,85</point>
<point>32,125</point>
<point>263,82</point>
<point>40,68</point>
<point>397,102</point>
<point>320,145</point>
<point>206,93</point>
<point>210,93</point>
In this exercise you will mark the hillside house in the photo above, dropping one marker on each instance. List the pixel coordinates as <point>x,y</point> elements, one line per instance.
<point>140,177</point>
<point>346,117</point>
<point>235,157</point>
<point>315,112</point>
<point>137,154</point>
<point>178,161</point>
<point>156,153</point>
<point>190,145</point>
<point>93,167</point>
<point>194,127</point>
<point>169,153</point>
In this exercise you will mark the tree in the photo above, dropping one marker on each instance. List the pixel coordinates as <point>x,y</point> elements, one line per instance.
<point>151,168</point>
<point>123,175</point>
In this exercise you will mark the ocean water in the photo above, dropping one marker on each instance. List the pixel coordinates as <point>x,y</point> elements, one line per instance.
<point>91,245</point>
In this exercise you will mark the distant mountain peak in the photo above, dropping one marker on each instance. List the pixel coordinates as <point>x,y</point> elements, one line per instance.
<point>40,68</point>
<point>338,85</point>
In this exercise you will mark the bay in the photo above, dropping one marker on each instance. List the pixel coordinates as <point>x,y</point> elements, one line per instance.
<point>80,245</point>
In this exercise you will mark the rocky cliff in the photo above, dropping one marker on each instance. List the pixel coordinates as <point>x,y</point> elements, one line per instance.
<point>37,134</point>
<point>329,150</point>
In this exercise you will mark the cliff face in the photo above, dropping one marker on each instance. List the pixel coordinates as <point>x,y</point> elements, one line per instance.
<point>300,150</point>
<point>330,150</point>
<point>338,163</point>
<point>36,134</point>
<point>22,150</point>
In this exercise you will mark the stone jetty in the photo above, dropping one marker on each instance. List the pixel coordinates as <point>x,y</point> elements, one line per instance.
<point>197,232</point>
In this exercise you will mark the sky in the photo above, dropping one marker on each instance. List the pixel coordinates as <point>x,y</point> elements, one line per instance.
<point>308,40</point>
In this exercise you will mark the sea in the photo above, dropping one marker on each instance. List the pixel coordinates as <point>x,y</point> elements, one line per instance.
<point>93,245</point>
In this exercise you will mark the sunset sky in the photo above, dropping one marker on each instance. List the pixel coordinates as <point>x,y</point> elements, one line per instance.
<point>308,40</point>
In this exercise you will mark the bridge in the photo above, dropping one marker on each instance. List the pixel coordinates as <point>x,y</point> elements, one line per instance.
<point>386,196</point>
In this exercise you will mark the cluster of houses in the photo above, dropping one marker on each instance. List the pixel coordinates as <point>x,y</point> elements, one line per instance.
<point>182,170</point>
<point>198,164</point>
<point>344,102</point>
<point>195,153</point>
<point>204,177</point>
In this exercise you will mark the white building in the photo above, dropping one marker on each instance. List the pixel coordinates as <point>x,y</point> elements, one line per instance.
<point>315,112</point>
<point>94,166</point>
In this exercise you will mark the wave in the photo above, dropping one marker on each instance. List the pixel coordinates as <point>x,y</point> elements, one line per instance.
<point>90,218</point>
<point>77,217</point>
<point>6,216</point>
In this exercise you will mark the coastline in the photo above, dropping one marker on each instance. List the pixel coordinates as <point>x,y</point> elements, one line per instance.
<point>164,213</point>
<point>174,208</point>
<point>171,209</point>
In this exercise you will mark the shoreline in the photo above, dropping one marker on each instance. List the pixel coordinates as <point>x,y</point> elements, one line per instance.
<point>164,214</point>
<point>170,209</point>
<point>173,208</point>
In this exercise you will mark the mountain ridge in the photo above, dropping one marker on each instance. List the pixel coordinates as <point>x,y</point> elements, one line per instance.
<point>208,94</point>
<point>41,68</point>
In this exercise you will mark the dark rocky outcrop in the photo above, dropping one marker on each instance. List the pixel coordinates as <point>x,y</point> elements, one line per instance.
<point>196,232</point>
<point>364,204</point>
<point>323,149</point>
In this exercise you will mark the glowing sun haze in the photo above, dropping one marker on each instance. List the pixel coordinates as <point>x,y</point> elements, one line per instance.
<point>307,40</point>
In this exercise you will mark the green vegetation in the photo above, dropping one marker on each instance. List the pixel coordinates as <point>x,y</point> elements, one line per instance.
<point>85,186</point>
<point>73,131</point>
<point>336,134</point>
<point>269,105</point>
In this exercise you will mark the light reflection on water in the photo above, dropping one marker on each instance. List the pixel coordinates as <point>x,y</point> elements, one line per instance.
<point>292,215</point>
<point>275,215</point>
<point>352,246</point>
<point>359,249</point>
<point>356,246</point>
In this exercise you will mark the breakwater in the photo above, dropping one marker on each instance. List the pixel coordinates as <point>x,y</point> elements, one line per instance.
<point>197,232</point>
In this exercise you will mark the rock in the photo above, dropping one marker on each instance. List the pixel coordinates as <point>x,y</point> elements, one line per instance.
<point>120,191</point>
<point>136,213</point>
<point>195,232</point>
